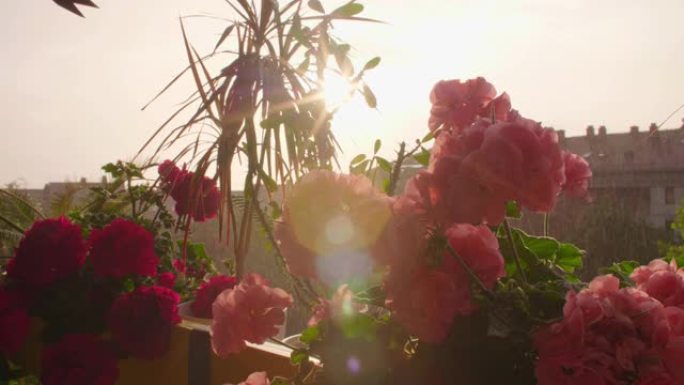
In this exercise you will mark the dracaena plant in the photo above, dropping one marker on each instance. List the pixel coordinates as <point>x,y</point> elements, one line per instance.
<point>265,106</point>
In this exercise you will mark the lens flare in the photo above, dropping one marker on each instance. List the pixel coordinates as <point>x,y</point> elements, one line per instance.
<point>339,230</point>
<point>343,267</point>
<point>353,365</point>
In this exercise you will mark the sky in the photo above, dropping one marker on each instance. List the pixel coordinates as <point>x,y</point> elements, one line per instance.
<point>71,89</point>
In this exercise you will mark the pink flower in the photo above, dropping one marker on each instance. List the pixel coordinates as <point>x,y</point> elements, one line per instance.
<point>207,293</point>
<point>406,234</point>
<point>123,248</point>
<point>475,172</point>
<point>79,359</point>
<point>478,247</point>
<point>456,104</point>
<point>424,301</point>
<point>607,333</point>
<point>14,322</point>
<point>256,378</point>
<point>52,249</point>
<point>168,173</point>
<point>577,174</point>
<point>167,279</point>
<point>327,216</point>
<point>249,312</point>
<point>662,281</point>
<point>141,321</point>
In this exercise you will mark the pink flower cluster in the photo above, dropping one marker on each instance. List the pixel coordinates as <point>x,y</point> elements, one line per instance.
<point>195,196</point>
<point>615,336</point>
<point>249,312</point>
<point>207,293</point>
<point>485,160</point>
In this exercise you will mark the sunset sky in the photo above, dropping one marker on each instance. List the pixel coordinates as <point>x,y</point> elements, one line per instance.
<point>71,89</point>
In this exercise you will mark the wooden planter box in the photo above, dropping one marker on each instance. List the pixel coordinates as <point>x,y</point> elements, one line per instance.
<point>189,361</point>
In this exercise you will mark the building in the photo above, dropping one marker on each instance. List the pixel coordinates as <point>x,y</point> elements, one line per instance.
<point>642,168</point>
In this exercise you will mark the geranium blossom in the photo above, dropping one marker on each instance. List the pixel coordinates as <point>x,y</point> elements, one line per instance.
<point>607,335</point>
<point>329,216</point>
<point>456,104</point>
<point>14,322</point>
<point>661,280</point>
<point>197,197</point>
<point>577,175</point>
<point>207,293</point>
<point>141,321</point>
<point>52,249</point>
<point>79,359</point>
<point>475,172</point>
<point>251,311</point>
<point>256,378</point>
<point>122,248</point>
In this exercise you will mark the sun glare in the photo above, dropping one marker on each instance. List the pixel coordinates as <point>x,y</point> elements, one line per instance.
<point>337,90</point>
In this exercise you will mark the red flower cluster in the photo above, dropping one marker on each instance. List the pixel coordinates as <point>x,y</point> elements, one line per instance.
<point>122,248</point>
<point>612,336</point>
<point>249,312</point>
<point>141,321</point>
<point>456,104</point>
<point>51,250</point>
<point>14,322</point>
<point>196,197</point>
<point>577,174</point>
<point>207,293</point>
<point>79,359</point>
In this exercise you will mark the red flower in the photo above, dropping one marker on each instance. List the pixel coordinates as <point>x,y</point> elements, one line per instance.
<point>198,198</point>
<point>79,359</point>
<point>661,280</point>
<point>141,321</point>
<point>577,174</point>
<point>207,293</point>
<point>123,248</point>
<point>250,312</point>
<point>51,249</point>
<point>168,173</point>
<point>14,322</point>
<point>167,279</point>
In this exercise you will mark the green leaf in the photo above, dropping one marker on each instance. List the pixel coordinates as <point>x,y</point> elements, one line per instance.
<point>428,137</point>
<point>270,183</point>
<point>348,10</point>
<point>299,356</point>
<point>358,159</point>
<point>280,381</point>
<point>310,334</point>
<point>372,63</point>
<point>370,97</point>
<point>360,168</point>
<point>359,326</point>
<point>513,210</point>
<point>622,270</point>
<point>569,257</point>
<point>543,247</point>
<point>224,35</point>
<point>376,146</point>
<point>316,6</point>
<point>384,164</point>
<point>423,157</point>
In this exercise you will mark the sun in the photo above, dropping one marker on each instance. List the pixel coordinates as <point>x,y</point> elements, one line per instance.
<point>337,90</point>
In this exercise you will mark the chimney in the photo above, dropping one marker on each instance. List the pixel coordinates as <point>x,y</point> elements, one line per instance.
<point>561,135</point>
<point>84,180</point>
<point>634,130</point>
<point>590,131</point>
<point>653,128</point>
<point>602,131</point>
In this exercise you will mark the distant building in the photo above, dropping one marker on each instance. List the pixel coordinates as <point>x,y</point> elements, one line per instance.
<point>45,198</point>
<point>644,169</point>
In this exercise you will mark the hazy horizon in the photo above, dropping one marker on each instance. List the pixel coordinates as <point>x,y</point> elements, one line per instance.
<point>71,89</point>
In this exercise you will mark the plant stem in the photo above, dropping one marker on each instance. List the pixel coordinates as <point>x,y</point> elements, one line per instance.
<point>516,256</point>
<point>546,224</point>
<point>281,343</point>
<point>470,272</point>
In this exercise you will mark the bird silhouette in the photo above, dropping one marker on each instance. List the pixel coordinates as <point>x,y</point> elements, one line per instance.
<point>70,5</point>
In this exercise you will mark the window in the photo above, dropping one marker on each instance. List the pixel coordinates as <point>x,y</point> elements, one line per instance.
<point>669,195</point>
<point>629,157</point>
